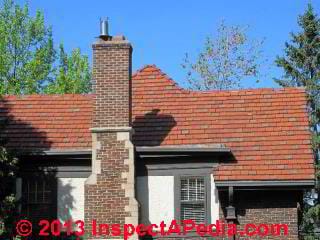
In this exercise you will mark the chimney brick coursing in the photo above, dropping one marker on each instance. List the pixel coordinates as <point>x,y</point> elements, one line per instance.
<point>109,191</point>
<point>112,83</point>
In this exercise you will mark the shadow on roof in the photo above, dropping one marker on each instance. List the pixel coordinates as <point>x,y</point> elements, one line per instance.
<point>152,128</point>
<point>19,135</point>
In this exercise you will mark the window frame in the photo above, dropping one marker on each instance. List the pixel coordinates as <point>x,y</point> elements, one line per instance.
<point>207,190</point>
<point>26,204</point>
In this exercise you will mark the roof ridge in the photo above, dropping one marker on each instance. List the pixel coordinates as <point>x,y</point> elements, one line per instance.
<point>243,90</point>
<point>160,72</point>
<point>142,68</point>
<point>214,91</point>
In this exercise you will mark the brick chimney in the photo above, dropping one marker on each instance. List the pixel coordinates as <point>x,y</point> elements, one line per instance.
<point>109,191</point>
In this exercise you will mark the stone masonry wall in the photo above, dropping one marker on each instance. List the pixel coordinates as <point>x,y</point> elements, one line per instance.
<point>109,191</point>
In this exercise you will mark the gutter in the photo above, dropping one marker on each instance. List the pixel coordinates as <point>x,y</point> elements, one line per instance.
<point>272,183</point>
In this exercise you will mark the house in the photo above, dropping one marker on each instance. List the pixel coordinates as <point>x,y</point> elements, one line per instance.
<point>140,149</point>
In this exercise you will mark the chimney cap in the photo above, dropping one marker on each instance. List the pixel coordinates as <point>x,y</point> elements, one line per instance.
<point>104,28</point>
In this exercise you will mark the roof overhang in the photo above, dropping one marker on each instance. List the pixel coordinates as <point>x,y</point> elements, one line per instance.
<point>56,152</point>
<point>68,152</point>
<point>272,183</point>
<point>182,150</point>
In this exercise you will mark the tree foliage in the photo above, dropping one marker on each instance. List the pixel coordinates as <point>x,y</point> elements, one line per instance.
<point>8,170</point>
<point>226,60</point>
<point>73,74</point>
<point>26,50</point>
<point>301,63</point>
<point>301,67</point>
<point>28,58</point>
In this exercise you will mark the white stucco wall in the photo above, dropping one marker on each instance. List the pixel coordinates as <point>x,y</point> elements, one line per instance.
<point>71,198</point>
<point>214,201</point>
<point>156,197</point>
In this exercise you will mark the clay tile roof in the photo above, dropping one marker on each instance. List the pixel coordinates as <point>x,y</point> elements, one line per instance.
<point>47,121</point>
<point>266,129</point>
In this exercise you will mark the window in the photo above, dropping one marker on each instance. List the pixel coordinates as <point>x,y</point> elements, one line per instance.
<point>193,204</point>
<point>39,198</point>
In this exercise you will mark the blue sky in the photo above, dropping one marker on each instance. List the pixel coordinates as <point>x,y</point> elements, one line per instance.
<point>161,32</point>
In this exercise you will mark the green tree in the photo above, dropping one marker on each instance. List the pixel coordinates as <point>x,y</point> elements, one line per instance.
<point>227,59</point>
<point>8,170</point>
<point>301,67</point>
<point>301,63</point>
<point>26,50</point>
<point>73,74</point>
<point>28,59</point>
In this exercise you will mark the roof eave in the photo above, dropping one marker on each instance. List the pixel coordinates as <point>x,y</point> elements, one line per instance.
<point>183,149</point>
<point>267,183</point>
<point>56,152</point>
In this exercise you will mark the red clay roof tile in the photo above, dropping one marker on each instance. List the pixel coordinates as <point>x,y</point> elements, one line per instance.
<point>47,121</point>
<point>266,129</point>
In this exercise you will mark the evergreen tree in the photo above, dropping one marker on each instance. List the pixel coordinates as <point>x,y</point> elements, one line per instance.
<point>301,66</point>
<point>301,63</point>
